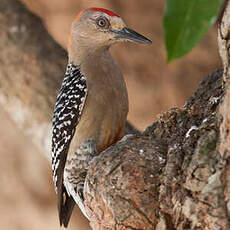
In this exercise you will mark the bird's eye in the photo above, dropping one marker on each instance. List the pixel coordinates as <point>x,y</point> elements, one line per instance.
<point>103,23</point>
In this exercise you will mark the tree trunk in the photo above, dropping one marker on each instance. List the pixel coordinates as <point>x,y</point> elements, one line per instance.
<point>173,176</point>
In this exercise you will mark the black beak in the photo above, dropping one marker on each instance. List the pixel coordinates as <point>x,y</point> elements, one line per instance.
<point>130,35</point>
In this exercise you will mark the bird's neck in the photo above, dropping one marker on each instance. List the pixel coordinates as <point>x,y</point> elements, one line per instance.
<point>82,53</point>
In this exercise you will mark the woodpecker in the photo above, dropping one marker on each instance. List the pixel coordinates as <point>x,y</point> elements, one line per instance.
<point>92,105</point>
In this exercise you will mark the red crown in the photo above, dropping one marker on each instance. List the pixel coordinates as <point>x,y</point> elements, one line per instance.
<point>110,13</point>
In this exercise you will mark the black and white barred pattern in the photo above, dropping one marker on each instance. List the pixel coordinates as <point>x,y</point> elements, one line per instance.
<point>67,112</point>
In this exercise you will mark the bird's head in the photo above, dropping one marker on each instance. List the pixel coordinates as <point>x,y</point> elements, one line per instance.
<point>97,27</point>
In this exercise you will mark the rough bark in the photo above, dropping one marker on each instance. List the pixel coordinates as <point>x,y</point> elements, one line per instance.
<point>173,176</point>
<point>168,177</point>
<point>224,146</point>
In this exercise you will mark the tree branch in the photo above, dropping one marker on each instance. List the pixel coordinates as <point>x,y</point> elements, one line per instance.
<point>31,70</point>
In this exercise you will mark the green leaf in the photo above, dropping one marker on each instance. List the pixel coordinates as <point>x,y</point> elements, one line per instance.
<point>186,22</point>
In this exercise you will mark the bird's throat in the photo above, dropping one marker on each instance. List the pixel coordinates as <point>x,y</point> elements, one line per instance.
<point>79,54</point>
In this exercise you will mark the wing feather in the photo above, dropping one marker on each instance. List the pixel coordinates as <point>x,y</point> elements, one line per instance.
<point>67,113</point>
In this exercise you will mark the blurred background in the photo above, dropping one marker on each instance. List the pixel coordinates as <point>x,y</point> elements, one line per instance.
<point>27,199</point>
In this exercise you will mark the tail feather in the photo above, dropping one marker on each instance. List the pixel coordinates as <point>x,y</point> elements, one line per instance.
<point>65,208</point>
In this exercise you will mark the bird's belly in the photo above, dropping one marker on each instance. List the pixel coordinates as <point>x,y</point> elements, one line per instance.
<point>102,126</point>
